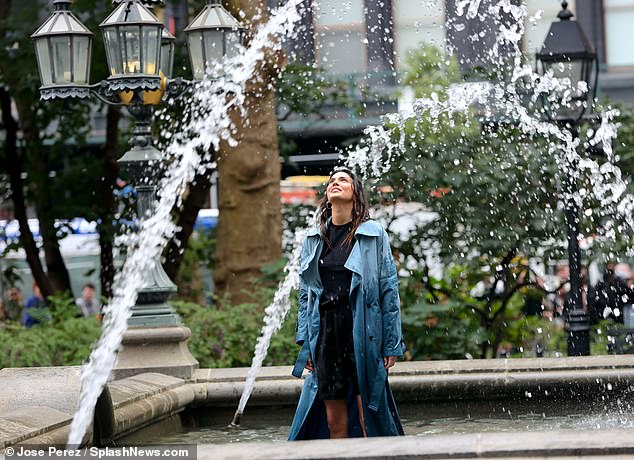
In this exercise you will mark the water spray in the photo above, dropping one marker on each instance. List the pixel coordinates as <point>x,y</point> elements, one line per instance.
<point>235,423</point>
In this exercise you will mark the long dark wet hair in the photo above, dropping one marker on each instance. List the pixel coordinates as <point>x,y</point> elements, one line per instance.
<point>360,212</point>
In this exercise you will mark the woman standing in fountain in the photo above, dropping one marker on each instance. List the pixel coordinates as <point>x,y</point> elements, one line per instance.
<point>349,322</point>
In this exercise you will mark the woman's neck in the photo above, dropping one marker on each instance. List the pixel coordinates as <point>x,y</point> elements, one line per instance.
<point>341,213</point>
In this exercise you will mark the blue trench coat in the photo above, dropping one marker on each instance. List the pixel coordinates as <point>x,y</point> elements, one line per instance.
<point>376,333</point>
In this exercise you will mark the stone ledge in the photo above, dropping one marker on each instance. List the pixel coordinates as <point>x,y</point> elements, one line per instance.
<point>141,386</point>
<point>239,374</point>
<point>141,413</point>
<point>440,380</point>
<point>54,387</point>
<point>143,335</point>
<point>444,368</point>
<point>529,445</point>
<point>136,402</point>
<point>267,392</point>
<point>28,422</point>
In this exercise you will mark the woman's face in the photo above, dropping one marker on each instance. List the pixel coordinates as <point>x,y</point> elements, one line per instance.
<point>340,188</point>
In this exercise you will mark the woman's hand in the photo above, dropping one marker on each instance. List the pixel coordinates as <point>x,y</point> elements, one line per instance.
<point>309,364</point>
<point>389,361</point>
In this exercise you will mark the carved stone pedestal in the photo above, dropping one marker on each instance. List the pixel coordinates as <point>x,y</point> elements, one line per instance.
<point>155,349</point>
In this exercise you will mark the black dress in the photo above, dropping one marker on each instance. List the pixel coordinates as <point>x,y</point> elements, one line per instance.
<point>334,361</point>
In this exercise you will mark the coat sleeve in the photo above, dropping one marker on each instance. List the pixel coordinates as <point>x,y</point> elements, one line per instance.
<point>302,320</point>
<point>390,302</point>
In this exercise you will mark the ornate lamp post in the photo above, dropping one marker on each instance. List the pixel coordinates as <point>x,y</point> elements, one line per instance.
<point>140,54</point>
<point>567,55</point>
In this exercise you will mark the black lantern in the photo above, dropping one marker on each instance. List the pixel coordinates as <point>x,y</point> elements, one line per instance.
<point>167,53</point>
<point>63,46</point>
<point>212,35</point>
<point>568,55</point>
<point>132,37</point>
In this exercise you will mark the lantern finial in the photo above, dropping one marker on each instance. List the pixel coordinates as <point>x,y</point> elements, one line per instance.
<point>61,5</point>
<point>148,3</point>
<point>565,14</point>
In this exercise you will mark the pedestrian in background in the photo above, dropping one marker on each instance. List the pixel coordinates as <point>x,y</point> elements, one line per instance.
<point>13,304</point>
<point>35,309</point>
<point>612,294</point>
<point>88,303</point>
<point>3,312</point>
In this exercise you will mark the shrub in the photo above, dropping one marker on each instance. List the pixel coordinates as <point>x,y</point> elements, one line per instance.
<point>225,335</point>
<point>64,341</point>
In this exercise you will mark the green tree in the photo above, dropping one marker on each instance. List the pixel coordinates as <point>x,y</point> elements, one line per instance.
<point>63,180</point>
<point>495,194</point>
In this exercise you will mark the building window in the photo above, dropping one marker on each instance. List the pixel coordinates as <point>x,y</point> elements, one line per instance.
<point>541,14</point>
<point>417,22</point>
<point>339,36</point>
<point>619,32</point>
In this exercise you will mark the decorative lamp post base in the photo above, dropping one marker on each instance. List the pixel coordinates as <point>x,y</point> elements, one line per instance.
<point>155,349</point>
<point>148,313</point>
<point>578,327</point>
<point>151,308</point>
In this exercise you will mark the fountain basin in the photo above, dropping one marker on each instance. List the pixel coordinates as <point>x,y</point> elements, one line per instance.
<point>36,405</point>
<point>617,444</point>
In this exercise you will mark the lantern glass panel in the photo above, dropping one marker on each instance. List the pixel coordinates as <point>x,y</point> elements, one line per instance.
<point>232,43</point>
<point>113,50</point>
<point>167,58</point>
<point>61,59</point>
<point>569,102</point>
<point>81,59</point>
<point>44,58</point>
<point>195,40</point>
<point>151,50</point>
<point>571,71</point>
<point>213,47</point>
<point>131,38</point>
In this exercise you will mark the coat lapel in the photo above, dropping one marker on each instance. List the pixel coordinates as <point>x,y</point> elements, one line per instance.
<point>309,264</point>
<point>355,262</point>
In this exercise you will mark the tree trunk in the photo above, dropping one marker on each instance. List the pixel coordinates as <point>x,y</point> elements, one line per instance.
<point>38,171</point>
<point>106,209</point>
<point>5,8</point>
<point>14,169</point>
<point>15,166</point>
<point>249,222</point>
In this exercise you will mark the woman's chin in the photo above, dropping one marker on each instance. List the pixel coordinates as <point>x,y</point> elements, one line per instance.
<point>339,199</point>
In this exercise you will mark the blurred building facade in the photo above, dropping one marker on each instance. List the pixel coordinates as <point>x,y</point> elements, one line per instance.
<point>365,43</point>
<point>366,36</point>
